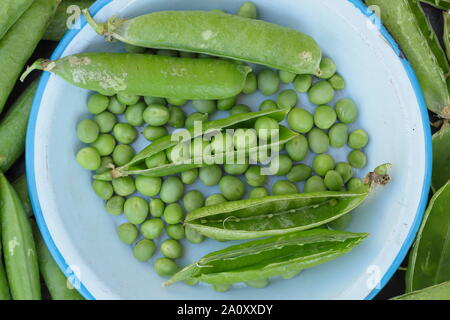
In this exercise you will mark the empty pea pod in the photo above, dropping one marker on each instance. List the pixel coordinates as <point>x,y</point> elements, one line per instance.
<point>217,34</point>
<point>275,256</point>
<point>272,215</point>
<point>149,75</point>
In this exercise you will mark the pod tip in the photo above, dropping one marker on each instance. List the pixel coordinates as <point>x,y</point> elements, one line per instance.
<point>39,64</point>
<point>99,28</point>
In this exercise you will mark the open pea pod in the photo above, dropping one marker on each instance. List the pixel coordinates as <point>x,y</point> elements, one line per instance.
<point>285,136</point>
<point>429,260</point>
<point>274,256</point>
<point>437,292</point>
<point>441,158</point>
<point>272,215</point>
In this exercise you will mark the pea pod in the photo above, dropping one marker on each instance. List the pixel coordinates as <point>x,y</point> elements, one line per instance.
<point>10,11</point>
<point>18,44</point>
<point>4,287</point>
<point>429,260</point>
<point>149,75</point>
<point>20,251</point>
<point>21,187</point>
<point>272,215</point>
<point>441,157</point>
<point>274,256</point>
<point>437,292</point>
<point>285,135</point>
<point>54,279</point>
<point>217,34</point>
<point>446,34</point>
<point>13,128</point>
<point>406,21</point>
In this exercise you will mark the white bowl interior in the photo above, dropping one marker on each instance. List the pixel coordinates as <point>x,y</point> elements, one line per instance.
<point>376,79</point>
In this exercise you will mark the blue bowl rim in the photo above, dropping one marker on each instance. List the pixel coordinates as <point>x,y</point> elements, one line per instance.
<point>99,5</point>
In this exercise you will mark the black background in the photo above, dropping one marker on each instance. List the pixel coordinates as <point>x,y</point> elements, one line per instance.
<point>396,286</point>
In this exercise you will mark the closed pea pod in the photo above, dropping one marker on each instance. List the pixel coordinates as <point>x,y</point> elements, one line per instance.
<point>11,11</point>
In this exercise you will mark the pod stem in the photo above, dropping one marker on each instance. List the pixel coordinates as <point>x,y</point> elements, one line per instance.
<point>99,28</point>
<point>39,64</point>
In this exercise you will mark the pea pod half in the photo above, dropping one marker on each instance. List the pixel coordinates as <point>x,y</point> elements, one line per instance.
<point>218,34</point>
<point>274,256</point>
<point>272,215</point>
<point>149,75</point>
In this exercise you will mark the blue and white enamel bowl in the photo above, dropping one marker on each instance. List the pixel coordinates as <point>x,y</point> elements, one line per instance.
<point>81,235</point>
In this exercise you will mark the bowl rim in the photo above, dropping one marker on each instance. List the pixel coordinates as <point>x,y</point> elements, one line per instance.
<point>94,9</point>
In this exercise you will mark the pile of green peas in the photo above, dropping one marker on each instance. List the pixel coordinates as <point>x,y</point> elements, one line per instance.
<point>155,206</point>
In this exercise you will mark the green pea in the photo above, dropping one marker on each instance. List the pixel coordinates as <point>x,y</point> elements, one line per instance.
<point>103,189</point>
<point>221,287</point>
<point>171,248</point>
<point>346,110</point>
<point>106,121</point>
<point>245,139</point>
<point>235,168</point>
<point>156,115</point>
<point>299,172</point>
<point>345,170</point>
<point>314,184</point>
<point>156,160</point>
<point>175,231</point>
<point>192,200</point>
<point>286,76</point>
<point>148,186</point>
<point>205,106</point>
<point>303,82</point>
<point>193,236</point>
<point>89,158</point>
<point>165,267</point>
<point>258,284</point>
<point>300,120</point>
<point>195,117</point>
<point>323,163</point>
<point>105,144</point>
<point>248,10</point>
<point>176,101</point>
<point>210,175</point>
<point>254,177</point>
<point>134,114</point>
<point>324,117</point>
<point>358,139</point>
<point>239,109</point>
<point>127,99</point>
<point>268,105</point>
<point>264,125</point>
<point>327,68</point>
<point>127,232</point>
<point>333,180</point>
<point>297,148</point>
<point>214,199</point>
<point>87,131</point>
<point>357,159</point>
<point>338,135</point>
<point>124,186</point>
<point>144,250</point>
<point>283,187</point>
<point>171,190</point>
<point>106,165</point>
<point>153,133</point>
<point>341,223</point>
<point>157,207</point>
<point>318,141</point>
<point>177,117</point>
<point>280,165</point>
<point>152,229</point>
<point>287,99</point>
<point>232,188</point>
<point>122,154</point>
<point>354,184</point>
<point>125,133</point>
<point>337,82</point>
<point>227,103</point>
<point>97,103</point>
<point>134,49</point>
<point>173,213</point>
<point>115,106</point>
<point>251,84</point>
<point>383,169</point>
<point>321,93</point>
<point>259,192</point>
<point>189,177</point>
<point>154,100</point>
<point>136,210</point>
<point>268,82</point>
<point>114,205</point>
